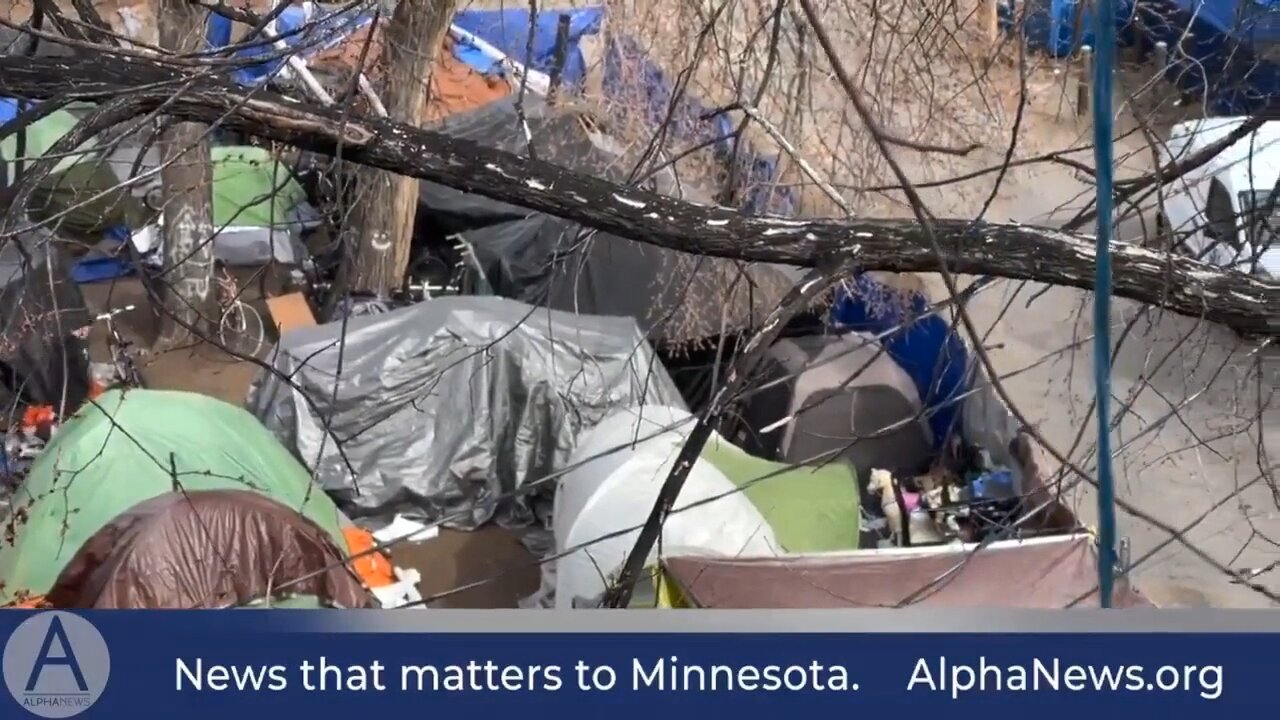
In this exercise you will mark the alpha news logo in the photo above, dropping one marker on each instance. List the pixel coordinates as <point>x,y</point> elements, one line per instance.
<point>56,664</point>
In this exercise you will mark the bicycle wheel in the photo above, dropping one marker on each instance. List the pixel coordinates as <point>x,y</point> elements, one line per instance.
<point>242,330</point>
<point>128,374</point>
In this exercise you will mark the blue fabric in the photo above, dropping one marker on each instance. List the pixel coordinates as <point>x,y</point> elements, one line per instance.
<point>1051,24</point>
<point>633,80</point>
<point>218,34</point>
<point>101,269</point>
<point>325,32</point>
<point>118,233</point>
<point>993,485</point>
<point>8,110</point>
<point>508,31</point>
<point>1221,53</point>
<point>928,349</point>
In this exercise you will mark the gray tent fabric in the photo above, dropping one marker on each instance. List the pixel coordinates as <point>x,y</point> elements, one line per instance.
<point>42,361</point>
<point>847,401</point>
<point>838,388</point>
<point>550,262</point>
<point>444,407</point>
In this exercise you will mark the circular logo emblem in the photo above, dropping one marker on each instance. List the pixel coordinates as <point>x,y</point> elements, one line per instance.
<point>56,664</point>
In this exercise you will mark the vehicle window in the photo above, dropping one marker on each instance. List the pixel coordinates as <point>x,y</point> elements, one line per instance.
<point>1220,216</point>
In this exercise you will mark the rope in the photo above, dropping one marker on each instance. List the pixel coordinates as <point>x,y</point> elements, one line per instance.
<point>1104,63</point>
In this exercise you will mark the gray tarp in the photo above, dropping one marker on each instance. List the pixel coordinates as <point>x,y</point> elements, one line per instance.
<point>447,405</point>
<point>677,297</point>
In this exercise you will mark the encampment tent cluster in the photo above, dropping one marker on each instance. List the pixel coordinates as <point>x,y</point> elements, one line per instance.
<point>867,462</point>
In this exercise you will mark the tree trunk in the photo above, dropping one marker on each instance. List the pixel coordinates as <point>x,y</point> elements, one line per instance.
<point>383,218</point>
<point>989,17</point>
<point>1022,252</point>
<point>185,286</point>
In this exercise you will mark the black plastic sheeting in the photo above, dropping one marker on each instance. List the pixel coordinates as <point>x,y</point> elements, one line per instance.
<point>41,361</point>
<point>549,262</point>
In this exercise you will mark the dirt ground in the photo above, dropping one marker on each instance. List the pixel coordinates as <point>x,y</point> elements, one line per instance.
<point>1189,472</point>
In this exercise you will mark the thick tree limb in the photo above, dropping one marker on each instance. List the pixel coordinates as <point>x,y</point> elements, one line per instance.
<point>1248,304</point>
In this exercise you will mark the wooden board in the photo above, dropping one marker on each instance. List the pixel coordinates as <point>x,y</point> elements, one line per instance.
<point>290,311</point>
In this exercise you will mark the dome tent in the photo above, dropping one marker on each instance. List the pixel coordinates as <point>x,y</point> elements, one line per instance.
<point>731,503</point>
<point>144,498</point>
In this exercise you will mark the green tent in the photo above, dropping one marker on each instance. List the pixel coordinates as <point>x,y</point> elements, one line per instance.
<point>810,509</point>
<point>251,188</point>
<point>127,448</point>
<point>41,136</point>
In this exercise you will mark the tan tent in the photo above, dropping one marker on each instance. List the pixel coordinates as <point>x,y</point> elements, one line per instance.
<point>1053,572</point>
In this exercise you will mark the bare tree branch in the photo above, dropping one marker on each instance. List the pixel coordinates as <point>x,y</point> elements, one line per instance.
<point>1245,303</point>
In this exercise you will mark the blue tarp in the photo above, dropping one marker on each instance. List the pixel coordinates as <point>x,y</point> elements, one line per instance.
<point>928,348</point>
<point>1056,28</point>
<point>8,110</point>
<point>292,27</point>
<point>1221,42</point>
<point>508,30</point>
<point>1222,54</point>
<point>631,79</point>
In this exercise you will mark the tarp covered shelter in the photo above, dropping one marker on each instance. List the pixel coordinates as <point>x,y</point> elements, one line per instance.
<point>546,261</point>
<point>450,405</point>
<point>149,499</point>
<point>731,504</point>
<point>1047,573</point>
<point>333,44</point>
<point>42,361</point>
<point>508,29</point>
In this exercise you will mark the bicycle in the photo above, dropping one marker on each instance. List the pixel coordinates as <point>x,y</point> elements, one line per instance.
<point>122,365</point>
<point>240,325</point>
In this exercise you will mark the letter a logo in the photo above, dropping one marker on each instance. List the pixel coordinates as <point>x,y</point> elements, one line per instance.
<point>56,664</point>
<point>65,657</point>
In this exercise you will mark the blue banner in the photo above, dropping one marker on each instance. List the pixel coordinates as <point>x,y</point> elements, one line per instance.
<point>337,664</point>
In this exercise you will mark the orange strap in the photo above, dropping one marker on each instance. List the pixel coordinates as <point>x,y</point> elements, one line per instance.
<point>374,568</point>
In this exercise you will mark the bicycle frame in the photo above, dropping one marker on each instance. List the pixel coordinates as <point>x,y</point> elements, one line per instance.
<point>126,372</point>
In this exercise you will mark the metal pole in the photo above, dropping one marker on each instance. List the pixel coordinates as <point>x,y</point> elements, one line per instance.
<point>559,55</point>
<point>1084,80</point>
<point>1162,56</point>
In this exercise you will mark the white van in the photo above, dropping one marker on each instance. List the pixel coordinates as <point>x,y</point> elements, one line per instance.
<point>1226,211</point>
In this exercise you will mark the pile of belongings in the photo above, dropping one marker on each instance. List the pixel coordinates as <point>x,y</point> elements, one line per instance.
<point>23,442</point>
<point>979,503</point>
